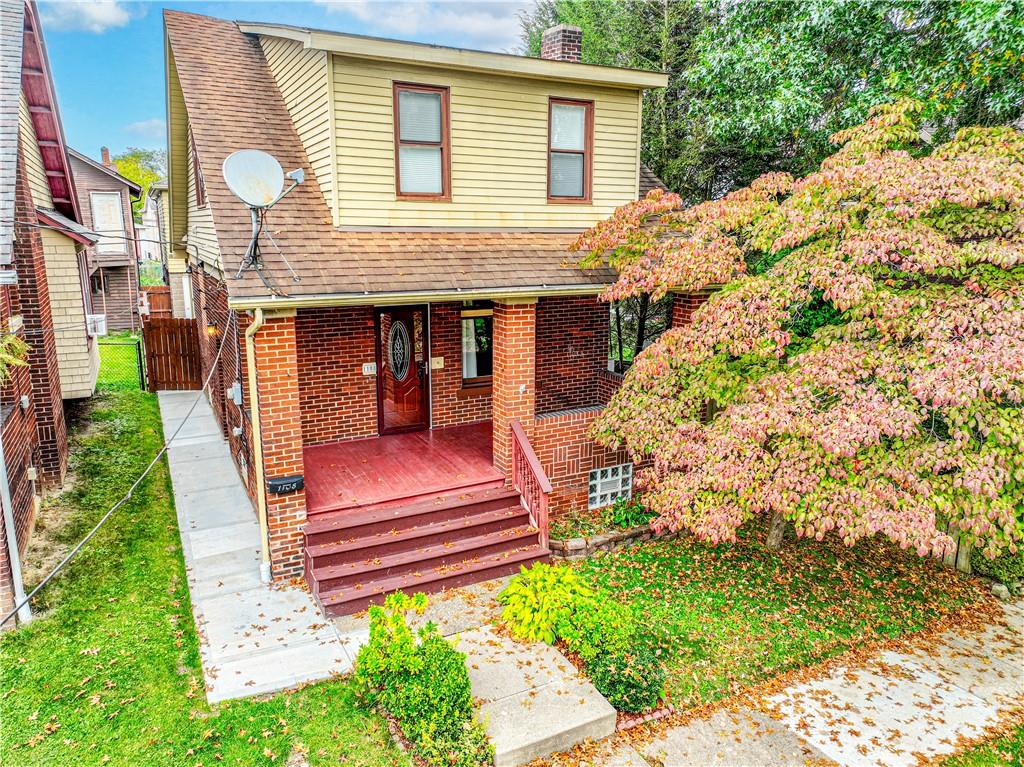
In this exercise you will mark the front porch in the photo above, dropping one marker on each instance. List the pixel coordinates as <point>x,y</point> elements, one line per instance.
<point>399,467</point>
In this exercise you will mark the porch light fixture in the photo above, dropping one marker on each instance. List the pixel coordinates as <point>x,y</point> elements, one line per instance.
<point>211,329</point>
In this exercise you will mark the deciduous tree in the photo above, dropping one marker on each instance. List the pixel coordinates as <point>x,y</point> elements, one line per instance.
<point>864,359</point>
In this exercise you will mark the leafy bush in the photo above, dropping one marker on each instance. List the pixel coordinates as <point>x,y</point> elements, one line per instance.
<point>539,599</point>
<point>424,685</point>
<point>629,512</point>
<point>596,626</point>
<point>1006,568</point>
<point>632,681</point>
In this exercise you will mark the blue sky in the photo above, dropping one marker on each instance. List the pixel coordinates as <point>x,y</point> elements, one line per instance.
<point>107,55</point>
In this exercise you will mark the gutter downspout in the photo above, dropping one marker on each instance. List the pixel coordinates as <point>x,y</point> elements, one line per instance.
<point>11,533</point>
<point>257,442</point>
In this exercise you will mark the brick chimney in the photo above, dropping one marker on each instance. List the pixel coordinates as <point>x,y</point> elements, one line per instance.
<point>562,43</point>
<point>105,156</point>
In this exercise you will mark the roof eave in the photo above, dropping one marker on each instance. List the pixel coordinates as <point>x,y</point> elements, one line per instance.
<point>425,54</point>
<point>327,300</point>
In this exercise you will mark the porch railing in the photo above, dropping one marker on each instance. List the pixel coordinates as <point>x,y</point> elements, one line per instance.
<point>529,479</point>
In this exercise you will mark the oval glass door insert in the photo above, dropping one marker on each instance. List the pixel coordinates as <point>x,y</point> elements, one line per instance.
<point>399,350</point>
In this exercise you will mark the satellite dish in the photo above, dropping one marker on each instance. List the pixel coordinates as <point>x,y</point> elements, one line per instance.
<point>255,177</point>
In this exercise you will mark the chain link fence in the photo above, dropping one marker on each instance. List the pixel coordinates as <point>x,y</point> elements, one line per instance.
<point>121,363</point>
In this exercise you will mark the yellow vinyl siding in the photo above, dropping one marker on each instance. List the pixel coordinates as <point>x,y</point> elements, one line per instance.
<point>304,82</point>
<point>78,359</point>
<point>37,183</point>
<point>177,157</point>
<point>202,237</point>
<point>499,131</point>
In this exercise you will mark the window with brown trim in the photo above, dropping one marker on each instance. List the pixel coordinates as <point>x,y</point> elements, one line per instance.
<point>422,142</point>
<point>477,344</point>
<point>570,150</point>
<point>197,174</point>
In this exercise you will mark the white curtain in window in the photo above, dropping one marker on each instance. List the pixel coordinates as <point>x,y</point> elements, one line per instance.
<point>568,126</point>
<point>419,116</point>
<point>108,222</point>
<point>420,169</point>
<point>566,175</point>
<point>468,349</point>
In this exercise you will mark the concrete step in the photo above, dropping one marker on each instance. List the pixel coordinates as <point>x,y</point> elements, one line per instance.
<point>533,700</point>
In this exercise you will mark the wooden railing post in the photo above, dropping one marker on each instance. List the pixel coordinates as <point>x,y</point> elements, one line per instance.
<point>530,481</point>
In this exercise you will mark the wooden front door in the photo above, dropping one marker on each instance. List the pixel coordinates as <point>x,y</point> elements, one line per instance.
<point>403,369</point>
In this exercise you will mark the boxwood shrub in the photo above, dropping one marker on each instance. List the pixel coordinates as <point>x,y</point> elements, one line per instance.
<point>632,681</point>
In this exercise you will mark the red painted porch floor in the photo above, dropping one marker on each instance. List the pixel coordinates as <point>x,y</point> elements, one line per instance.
<point>418,464</point>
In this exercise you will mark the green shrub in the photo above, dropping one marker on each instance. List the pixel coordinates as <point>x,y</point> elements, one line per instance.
<point>629,512</point>
<point>632,681</point>
<point>423,684</point>
<point>436,700</point>
<point>1006,568</point>
<point>539,599</point>
<point>598,625</point>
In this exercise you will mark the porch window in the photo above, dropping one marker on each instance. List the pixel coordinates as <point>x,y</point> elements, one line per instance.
<point>477,350</point>
<point>422,161</point>
<point>570,146</point>
<point>609,484</point>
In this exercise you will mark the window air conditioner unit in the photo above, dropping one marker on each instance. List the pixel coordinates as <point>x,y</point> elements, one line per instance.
<point>96,324</point>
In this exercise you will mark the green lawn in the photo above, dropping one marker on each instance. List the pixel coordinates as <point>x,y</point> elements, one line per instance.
<point>1007,751</point>
<point>111,674</point>
<point>731,616</point>
<point>119,362</point>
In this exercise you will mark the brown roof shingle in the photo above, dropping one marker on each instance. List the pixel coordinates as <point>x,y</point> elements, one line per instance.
<point>649,181</point>
<point>234,103</point>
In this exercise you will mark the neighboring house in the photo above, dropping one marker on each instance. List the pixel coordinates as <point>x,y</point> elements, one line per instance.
<point>437,346</point>
<point>43,276</point>
<point>105,199</point>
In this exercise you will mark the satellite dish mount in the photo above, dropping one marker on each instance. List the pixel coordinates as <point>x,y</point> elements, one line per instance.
<point>256,178</point>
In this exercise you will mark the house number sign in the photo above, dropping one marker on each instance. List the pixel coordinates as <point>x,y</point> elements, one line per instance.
<point>281,485</point>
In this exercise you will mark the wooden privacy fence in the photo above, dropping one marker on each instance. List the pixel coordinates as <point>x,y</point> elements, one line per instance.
<point>158,299</point>
<point>172,353</point>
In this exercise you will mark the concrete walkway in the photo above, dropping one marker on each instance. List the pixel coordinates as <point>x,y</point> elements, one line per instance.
<point>891,710</point>
<point>252,638</point>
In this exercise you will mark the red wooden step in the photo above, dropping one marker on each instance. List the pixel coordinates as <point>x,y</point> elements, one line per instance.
<point>357,549</point>
<point>421,559</point>
<point>402,500</point>
<point>363,522</point>
<point>348,600</point>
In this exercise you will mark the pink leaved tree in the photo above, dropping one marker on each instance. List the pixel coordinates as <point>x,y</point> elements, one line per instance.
<point>863,359</point>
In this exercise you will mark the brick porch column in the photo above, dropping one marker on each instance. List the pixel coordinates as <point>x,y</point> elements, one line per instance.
<point>281,429</point>
<point>684,305</point>
<point>514,374</point>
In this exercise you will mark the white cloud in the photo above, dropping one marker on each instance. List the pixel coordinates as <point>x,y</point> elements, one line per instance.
<point>155,128</point>
<point>96,16</point>
<point>490,25</point>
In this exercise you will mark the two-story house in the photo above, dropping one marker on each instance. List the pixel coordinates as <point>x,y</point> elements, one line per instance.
<point>105,199</point>
<point>43,295</point>
<point>413,361</point>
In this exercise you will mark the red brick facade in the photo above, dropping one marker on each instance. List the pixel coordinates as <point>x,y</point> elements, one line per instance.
<point>34,436</point>
<point>451,404</point>
<point>572,349</point>
<point>514,390</point>
<point>338,401</point>
<point>280,425</point>
<point>684,305</point>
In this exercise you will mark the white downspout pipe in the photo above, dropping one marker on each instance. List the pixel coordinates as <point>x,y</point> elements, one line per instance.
<point>11,533</point>
<point>257,442</point>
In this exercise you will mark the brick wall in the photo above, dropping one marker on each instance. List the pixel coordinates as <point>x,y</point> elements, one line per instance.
<point>572,349</point>
<point>34,305</point>
<point>280,422</point>
<point>684,305</point>
<point>514,395</point>
<point>451,403</point>
<point>568,455</point>
<point>562,43</point>
<point>338,402</point>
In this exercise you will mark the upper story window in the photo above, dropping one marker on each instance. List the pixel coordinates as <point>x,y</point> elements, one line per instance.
<point>422,142</point>
<point>108,221</point>
<point>570,146</point>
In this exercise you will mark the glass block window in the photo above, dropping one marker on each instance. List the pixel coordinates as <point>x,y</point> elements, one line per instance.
<point>609,484</point>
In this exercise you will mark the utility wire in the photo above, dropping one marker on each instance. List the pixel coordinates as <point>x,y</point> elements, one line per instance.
<point>131,490</point>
